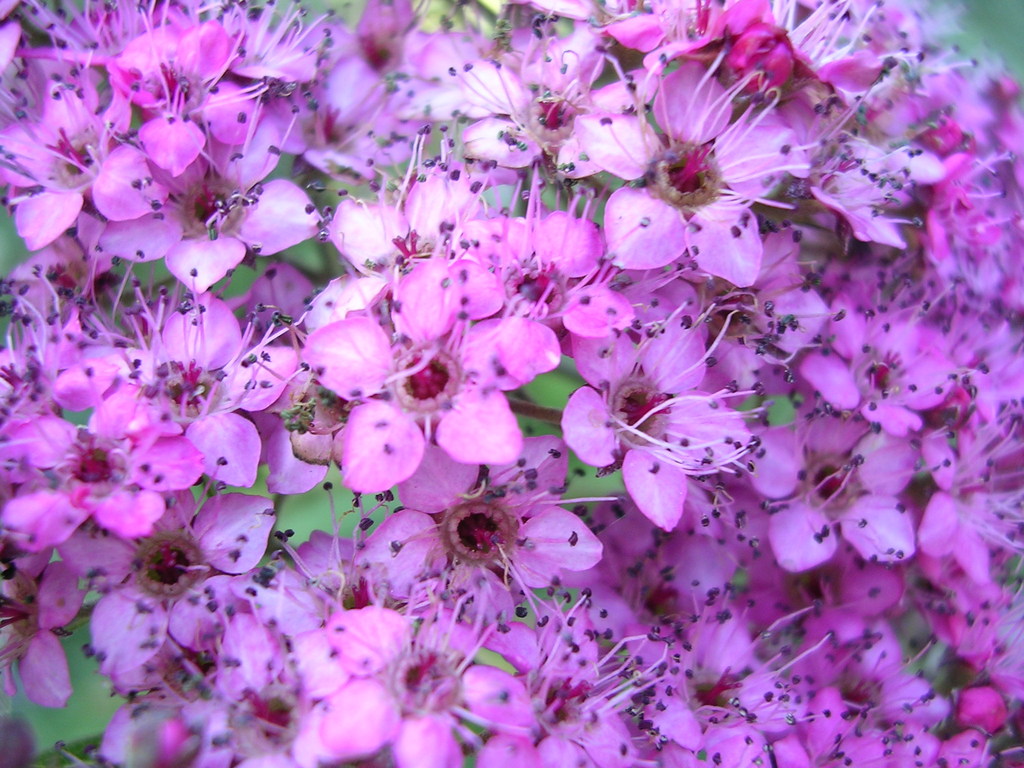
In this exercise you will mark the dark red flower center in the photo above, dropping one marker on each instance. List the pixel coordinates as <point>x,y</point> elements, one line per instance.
<point>533,287</point>
<point>428,384</point>
<point>476,531</point>
<point>686,176</point>
<point>94,466</point>
<point>639,405</point>
<point>167,563</point>
<point>715,693</point>
<point>691,172</point>
<point>429,381</point>
<point>426,681</point>
<point>828,481</point>
<point>553,114</point>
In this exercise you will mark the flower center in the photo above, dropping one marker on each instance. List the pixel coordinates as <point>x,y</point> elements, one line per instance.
<point>427,681</point>
<point>553,118</point>
<point>97,463</point>
<point>533,288</point>
<point>75,163</point>
<point>475,531</point>
<point>265,721</point>
<point>686,176</point>
<point>188,386</point>
<point>428,383</point>
<point>637,404</point>
<point>166,564</point>
<point>882,375</point>
<point>94,466</point>
<point>210,211</point>
<point>715,693</point>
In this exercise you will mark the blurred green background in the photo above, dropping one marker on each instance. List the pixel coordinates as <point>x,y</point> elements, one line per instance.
<point>986,29</point>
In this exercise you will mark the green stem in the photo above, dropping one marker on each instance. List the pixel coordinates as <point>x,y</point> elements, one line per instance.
<point>534,411</point>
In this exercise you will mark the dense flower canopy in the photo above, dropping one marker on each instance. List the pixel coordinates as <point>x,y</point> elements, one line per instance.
<point>661,362</point>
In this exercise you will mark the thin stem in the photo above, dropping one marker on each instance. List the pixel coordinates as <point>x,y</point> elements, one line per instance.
<point>534,411</point>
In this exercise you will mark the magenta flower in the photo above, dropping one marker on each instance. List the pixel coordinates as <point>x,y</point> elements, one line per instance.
<point>510,524</point>
<point>701,177</point>
<point>39,598</point>
<point>423,386</point>
<point>647,414</point>
<point>145,581</point>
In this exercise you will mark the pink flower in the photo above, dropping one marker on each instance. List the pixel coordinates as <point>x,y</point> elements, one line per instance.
<point>701,176</point>
<point>647,414</point>
<point>424,385</point>
<point>39,598</point>
<point>509,524</point>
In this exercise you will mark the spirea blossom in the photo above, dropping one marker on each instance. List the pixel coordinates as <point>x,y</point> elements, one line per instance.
<point>554,384</point>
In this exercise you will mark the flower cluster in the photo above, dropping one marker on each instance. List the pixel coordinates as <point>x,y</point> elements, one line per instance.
<point>660,362</point>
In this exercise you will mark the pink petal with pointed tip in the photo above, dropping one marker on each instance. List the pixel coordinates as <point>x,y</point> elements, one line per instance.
<point>615,143</point>
<point>895,419</point>
<point>200,262</point>
<point>526,348</point>
<point>210,336</point>
<point>142,239</point>
<point>82,386</point>
<point>351,357</point>
<point>572,243</point>
<point>437,483</point>
<point>426,742</point>
<point>128,629</point>
<point>586,423</point>
<point>42,218</point>
<point>124,189</point>
<point>642,232</point>
<point>880,529</point>
<point>362,702</point>
<point>315,659</point>
<point>404,547</point>
<point>381,446</point>
<point>233,530</point>
<point>282,217</point>
<point>427,300</point>
<point>675,359</point>
<point>727,243</point>
<point>10,34</point>
<point>831,376</point>
<point>167,464</point>
<point>938,529</point>
<point>205,50</point>
<point>254,653</point>
<point>595,311</point>
<point>557,539</point>
<point>42,519</point>
<point>172,143</point>
<point>801,537</point>
<point>230,445</point>
<point>480,429</point>
<point>692,105</point>
<point>59,597</point>
<point>658,489</point>
<point>44,672</point>
<point>130,515</point>
<point>497,696</point>
<point>289,474</point>
<point>368,639</point>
